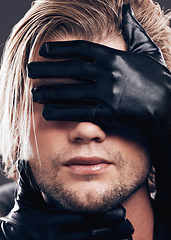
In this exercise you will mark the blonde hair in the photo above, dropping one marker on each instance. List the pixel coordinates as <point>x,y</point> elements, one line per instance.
<point>92,20</point>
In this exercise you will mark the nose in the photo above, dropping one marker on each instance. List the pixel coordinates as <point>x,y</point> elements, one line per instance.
<point>86,132</point>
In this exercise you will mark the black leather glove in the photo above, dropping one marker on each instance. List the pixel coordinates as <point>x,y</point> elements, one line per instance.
<point>33,219</point>
<point>131,89</point>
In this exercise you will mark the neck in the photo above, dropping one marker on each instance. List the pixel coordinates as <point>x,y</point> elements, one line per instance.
<point>140,213</point>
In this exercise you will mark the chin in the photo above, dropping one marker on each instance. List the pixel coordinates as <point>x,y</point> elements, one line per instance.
<point>88,208</point>
<point>96,199</point>
<point>89,203</point>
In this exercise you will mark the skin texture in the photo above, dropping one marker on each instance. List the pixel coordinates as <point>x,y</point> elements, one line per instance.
<point>122,181</point>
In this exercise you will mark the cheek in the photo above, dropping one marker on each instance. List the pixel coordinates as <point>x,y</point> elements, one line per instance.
<point>48,136</point>
<point>136,162</point>
<point>139,165</point>
<point>44,134</point>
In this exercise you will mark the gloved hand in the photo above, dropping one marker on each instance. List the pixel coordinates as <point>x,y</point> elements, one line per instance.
<point>33,219</point>
<point>131,88</point>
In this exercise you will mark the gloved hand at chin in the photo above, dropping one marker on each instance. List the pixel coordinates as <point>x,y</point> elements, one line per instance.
<point>32,219</point>
<point>130,89</point>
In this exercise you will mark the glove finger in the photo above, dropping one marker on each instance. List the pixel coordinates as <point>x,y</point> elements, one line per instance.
<point>78,113</point>
<point>74,236</point>
<point>105,220</point>
<point>65,225</point>
<point>71,94</point>
<point>124,231</point>
<point>62,69</point>
<point>96,234</point>
<point>87,221</point>
<point>129,238</point>
<point>136,37</point>
<point>77,49</point>
<point>87,235</point>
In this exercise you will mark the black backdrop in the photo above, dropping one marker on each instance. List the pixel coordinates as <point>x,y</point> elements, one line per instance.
<point>11,11</point>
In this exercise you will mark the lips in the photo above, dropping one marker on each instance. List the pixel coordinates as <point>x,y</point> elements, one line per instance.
<point>87,165</point>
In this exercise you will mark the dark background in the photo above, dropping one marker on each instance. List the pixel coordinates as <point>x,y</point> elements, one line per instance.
<point>11,11</point>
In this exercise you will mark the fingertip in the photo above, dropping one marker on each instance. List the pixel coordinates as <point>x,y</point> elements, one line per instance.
<point>136,37</point>
<point>126,9</point>
<point>120,212</point>
<point>31,69</point>
<point>129,226</point>
<point>33,89</point>
<point>44,49</point>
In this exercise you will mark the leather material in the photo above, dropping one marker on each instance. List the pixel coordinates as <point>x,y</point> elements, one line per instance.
<point>7,195</point>
<point>130,89</point>
<point>31,218</point>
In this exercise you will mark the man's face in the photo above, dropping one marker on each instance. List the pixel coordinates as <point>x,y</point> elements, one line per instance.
<point>82,167</point>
